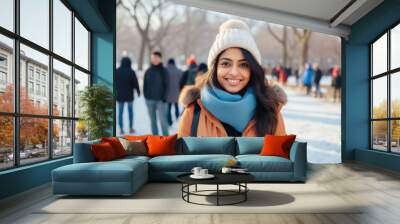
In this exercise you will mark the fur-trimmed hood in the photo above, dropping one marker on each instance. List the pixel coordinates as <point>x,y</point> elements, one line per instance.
<point>192,92</point>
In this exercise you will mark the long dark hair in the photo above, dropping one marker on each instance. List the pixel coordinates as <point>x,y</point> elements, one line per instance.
<point>266,110</point>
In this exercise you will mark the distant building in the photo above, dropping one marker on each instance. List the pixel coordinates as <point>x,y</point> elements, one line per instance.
<point>34,77</point>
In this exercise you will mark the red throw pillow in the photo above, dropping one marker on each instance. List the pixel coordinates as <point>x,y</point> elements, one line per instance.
<point>161,145</point>
<point>103,152</point>
<point>277,145</point>
<point>116,145</point>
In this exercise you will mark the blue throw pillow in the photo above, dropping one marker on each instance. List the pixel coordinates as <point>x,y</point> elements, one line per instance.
<point>249,145</point>
<point>206,145</point>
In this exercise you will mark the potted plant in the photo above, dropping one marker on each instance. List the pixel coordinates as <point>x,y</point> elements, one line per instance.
<point>96,102</point>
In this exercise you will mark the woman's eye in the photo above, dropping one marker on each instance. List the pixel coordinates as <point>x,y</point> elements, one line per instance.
<point>224,64</point>
<point>244,65</point>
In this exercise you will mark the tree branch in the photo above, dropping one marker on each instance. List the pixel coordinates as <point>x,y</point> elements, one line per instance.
<point>274,35</point>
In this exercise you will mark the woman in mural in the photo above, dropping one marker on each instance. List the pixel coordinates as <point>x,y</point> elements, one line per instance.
<point>233,99</point>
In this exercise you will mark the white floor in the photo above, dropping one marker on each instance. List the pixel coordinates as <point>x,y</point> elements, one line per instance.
<point>313,120</point>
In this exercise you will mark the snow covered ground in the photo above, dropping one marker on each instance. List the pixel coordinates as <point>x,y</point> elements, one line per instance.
<point>318,123</point>
<point>313,120</point>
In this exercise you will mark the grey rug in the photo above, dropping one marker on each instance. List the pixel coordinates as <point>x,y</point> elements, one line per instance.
<point>166,198</point>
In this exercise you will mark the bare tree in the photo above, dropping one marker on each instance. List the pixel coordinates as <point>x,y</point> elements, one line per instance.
<point>157,37</point>
<point>284,41</point>
<point>303,39</point>
<point>192,30</point>
<point>146,12</point>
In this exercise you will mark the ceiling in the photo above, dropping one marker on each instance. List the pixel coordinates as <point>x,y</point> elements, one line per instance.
<point>333,17</point>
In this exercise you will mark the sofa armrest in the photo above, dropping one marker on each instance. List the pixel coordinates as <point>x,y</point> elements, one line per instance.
<point>298,155</point>
<point>83,152</point>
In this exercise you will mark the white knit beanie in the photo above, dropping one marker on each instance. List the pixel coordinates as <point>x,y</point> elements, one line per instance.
<point>233,33</point>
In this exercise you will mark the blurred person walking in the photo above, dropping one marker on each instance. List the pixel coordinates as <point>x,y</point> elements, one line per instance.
<point>308,77</point>
<point>126,82</point>
<point>202,70</point>
<point>317,80</point>
<point>336,82</point>
<point>174,76</point>
<point>189,76</point>
<point>155,86</point>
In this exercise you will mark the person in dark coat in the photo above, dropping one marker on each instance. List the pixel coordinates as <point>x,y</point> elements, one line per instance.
<point>174,76</point>
<point>317,80</point>
<point>189,76</point>
<point>155,86</point>
<point>125,83</point>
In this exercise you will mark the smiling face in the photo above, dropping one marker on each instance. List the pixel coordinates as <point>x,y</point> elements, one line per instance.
<point>233,70</point>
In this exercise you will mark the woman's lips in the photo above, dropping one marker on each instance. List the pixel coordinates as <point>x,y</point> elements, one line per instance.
<point>233,82</point>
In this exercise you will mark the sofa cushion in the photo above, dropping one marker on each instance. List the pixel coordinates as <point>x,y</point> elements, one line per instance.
<point>257,163</point>
<point>277,145</point>
<point>137,147</point>
<point>83,152</point>
<point>185,163</point>
<point>111,171</point>
<point>103,152</point>
<point>116,145</point>
<point>206,145</point>
<point>249,145</point>
<point>161,145</point>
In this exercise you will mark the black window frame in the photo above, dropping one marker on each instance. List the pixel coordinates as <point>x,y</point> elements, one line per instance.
<point>388,74</point>
<point>16,114</point>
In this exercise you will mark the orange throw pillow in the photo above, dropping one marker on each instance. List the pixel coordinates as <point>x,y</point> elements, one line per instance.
<point>277,145</point>
<point>116,145</point>
<point>103,152</point>
<point>161,145</point>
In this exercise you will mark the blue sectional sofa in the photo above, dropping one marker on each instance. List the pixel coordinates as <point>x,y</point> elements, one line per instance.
<point>125,176</point>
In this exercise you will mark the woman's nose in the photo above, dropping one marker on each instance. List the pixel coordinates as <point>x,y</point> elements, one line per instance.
<point>235,70</point>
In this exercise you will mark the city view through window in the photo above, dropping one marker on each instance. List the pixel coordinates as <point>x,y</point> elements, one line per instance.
<point>38,118</point>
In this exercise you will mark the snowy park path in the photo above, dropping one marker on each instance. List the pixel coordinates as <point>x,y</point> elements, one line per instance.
<point>317,122</point>
<point>313,120</point>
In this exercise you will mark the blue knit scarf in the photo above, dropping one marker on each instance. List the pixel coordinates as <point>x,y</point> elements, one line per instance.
<point>233,109</point>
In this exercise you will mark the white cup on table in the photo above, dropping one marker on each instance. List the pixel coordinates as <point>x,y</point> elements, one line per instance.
<point>226,170</point>
<point>196,171</point>
<point>203,172</point>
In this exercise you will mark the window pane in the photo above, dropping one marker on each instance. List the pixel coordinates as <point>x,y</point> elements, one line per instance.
<point>395,94</point>
<point>6,74</point>
<point>379,98</point>
<point>62,29</point>
<point>34,97</point>
<point>395,47</point>
<point>35,21</point>
<point>379,55</point>
<point>33,139</point>
<point>395,136</point>
<point>81,45</point>
<point>62,138</point>
<point>6,142</point>
<point>62,89</point>
<point>7,14</point>
<point>379,135</point>
<point>81,81</point>
<point>81,131</point>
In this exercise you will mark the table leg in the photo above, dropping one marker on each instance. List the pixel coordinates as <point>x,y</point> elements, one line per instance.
<point>217,194</point>
<point>196,188</point>
<point>245,193</point>
<point>188,189</point>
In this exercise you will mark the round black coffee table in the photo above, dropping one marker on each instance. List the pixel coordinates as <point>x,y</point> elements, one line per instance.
<point>238,179</point>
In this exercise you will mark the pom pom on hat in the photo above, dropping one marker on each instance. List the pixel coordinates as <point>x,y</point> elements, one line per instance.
<point>233,33</point>
<point>234,24</point>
